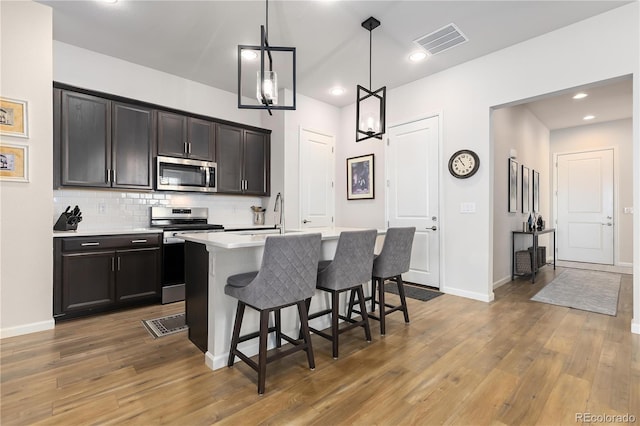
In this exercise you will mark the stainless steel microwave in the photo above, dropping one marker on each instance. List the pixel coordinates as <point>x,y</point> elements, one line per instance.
<point>182,174</point>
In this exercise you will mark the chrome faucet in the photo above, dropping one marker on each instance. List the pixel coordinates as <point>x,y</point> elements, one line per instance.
<point>279,207</point>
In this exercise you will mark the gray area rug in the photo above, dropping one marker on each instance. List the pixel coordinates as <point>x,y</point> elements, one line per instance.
<point>412,291</point>
<point>592,291</point>
<point>164,326</point>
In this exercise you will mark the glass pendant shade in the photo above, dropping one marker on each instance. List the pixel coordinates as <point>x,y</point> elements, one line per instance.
<point>267,89</point>
<point>370,113</point>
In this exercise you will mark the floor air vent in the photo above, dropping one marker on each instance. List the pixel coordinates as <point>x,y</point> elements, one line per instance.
<point>443,39</point>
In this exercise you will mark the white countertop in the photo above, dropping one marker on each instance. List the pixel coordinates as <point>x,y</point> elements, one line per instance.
<point>234,240</point>
<point>95,232</point>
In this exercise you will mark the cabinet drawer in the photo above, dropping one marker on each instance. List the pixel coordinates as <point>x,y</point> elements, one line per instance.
<point>110,242</point>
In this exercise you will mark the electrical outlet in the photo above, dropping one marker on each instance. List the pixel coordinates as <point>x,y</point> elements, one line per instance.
<point>102,208</point>
<point>628,210</point>
<point>468,207</point>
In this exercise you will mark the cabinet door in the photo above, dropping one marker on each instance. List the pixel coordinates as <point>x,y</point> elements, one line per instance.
<point>229,158</point>
<point>132,146</point>
<point>137,274</point>
<point>172,134</point>
<point>85,140</point>
<point>201,138</point>
<point>87,280</point>
<point>256,163</point>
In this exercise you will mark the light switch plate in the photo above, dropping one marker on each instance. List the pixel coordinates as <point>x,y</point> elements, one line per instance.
<point>468,207</point>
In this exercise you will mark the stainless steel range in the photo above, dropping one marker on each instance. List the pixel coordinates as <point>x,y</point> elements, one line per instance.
<point>175,221</point>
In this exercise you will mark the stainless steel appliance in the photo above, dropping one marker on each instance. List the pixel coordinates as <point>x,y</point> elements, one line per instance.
<point>175,221</point>
<point>182,174</point>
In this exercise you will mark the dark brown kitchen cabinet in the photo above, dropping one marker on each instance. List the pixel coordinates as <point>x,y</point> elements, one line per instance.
<point>102,273</point>
<point>183,136</point>
<point>243,158</point>
<point>102,143</point>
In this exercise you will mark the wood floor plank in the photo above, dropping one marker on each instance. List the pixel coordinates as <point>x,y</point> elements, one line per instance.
<point>459,361</point>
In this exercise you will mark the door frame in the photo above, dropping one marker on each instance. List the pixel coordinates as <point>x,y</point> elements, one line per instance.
<point>302,129</point>
<point>441,219</point>
<point>616,186</point>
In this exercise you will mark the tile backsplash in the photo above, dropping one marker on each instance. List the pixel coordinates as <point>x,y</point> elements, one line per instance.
<point>102,210</point>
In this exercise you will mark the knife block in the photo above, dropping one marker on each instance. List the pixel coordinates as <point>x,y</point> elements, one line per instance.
<point>66,222</point>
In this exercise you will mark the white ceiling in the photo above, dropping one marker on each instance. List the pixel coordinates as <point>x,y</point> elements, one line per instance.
<point>198,40</point>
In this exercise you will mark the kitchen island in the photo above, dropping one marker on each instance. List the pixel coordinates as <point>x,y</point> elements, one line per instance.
<point>210,259</point>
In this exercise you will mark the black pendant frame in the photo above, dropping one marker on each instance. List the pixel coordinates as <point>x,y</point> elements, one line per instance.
<point>364,94</point>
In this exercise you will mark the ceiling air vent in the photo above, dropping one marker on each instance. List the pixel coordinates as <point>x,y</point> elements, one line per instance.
<point>443,39</point>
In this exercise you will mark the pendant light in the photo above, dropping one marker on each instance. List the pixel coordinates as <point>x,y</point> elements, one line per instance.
<point>370,105</point>
<point>266,85</point>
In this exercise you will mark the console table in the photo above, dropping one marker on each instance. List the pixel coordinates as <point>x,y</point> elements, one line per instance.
<point>534,266</point>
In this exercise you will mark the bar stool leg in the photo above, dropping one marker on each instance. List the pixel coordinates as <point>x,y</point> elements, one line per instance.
<point>335,300</point>
<point>373,294</point>
<point>262,350</point>
<point>403,299</point>
<point>365,316</point>
<point>306,335</point>
<point>278,323</point>
<point>381,303</point>
<point>236,333</point>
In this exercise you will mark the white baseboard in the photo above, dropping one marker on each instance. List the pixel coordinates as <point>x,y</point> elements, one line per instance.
<point>27,328</point>
<point>468,294</point>
<point>502,282</point>
<point>635,326</point>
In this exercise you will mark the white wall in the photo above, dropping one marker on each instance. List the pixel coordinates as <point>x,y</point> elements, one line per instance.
<point>517,128</point>
<point>619,136</point>
<point>465,95</point>
<point>25,250</point>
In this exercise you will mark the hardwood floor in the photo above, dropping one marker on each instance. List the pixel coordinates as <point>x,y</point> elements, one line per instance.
<point>459,361</point>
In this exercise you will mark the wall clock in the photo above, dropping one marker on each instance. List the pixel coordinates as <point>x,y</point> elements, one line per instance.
<point>464,163</point>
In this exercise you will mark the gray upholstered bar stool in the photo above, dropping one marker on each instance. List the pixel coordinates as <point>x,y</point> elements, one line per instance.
<point>391,263</point>
<point>286,277</point>
<point>350,268</point>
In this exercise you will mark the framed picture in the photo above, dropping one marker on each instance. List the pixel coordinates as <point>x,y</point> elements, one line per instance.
<point>360,183</point>
<point>14,163</point>
<point>513,185</point>
<point>525,189</point>
<point>13,118</point>
<point>536,191</point>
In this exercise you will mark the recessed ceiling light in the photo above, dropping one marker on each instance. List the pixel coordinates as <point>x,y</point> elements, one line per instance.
<point>580,96</point>
<point>417,56</point>
<point>588,117</point>
<point>249,54</point>
<point>337,91</point>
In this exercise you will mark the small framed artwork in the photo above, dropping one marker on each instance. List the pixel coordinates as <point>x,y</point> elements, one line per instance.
<point>14,163</point>
<point>360,184</point>
<point>525,189</point>
<point>536,191</point>
<point>13,118</point>
<point>513,185</point>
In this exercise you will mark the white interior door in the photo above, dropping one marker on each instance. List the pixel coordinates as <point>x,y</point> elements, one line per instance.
<point>412,193</point>
<point>585,206</point>
<point>316,179</point>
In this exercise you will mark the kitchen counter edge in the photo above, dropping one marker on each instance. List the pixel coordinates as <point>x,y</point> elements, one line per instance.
<point>97,232</point>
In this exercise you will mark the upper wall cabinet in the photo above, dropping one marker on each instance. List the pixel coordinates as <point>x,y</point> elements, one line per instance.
<point>243,158</point>
<point>101,143</point>
<point>182,136</point>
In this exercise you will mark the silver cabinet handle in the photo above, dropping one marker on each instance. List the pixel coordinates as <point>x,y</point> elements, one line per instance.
<point>89,244</point>
<point>113,265</point>
<point>608,224</point>
<point>118,263</point>
<point>189,148</point>
<point>184,148</point>
<point>138,241</point>
<point>433,228</point>
<point>113,175</point>
<point>306,221</point>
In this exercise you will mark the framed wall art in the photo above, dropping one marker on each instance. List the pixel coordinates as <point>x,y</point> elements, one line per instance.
<point>360,184</point>
<point>14,163</point>
<point>525,189</point>
<point>536,191</point>
<point>13,118</point>
<point>513,185</point>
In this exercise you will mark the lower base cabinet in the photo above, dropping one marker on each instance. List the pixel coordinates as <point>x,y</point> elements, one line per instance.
<point>97,274</point>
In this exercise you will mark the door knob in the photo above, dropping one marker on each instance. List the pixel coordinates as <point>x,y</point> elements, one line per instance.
<point>306,221</point>
<point>433,228</point>
<point>608,224</point>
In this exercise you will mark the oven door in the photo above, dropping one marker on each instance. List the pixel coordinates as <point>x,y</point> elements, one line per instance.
<point>180,174</point>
